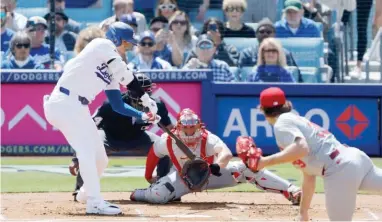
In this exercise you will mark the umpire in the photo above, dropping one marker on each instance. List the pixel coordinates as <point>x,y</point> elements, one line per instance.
<point>123,133</point>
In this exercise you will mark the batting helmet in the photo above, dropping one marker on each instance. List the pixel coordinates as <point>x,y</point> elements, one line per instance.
<point>119,31</point>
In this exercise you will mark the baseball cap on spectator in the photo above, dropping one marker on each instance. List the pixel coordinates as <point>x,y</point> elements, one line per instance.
<point>205,42</point>
<point>58,12</point>
<point>145,35</point>
<point>129,19</point>
<point>158,19</point>
<point>295,5</point>
<point>272,97</point>
<point>36,20</point>
<point>265,22</point>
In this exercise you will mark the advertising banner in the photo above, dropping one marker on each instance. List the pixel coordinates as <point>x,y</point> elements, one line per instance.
<point>354,121</point>
<point>24,129</point>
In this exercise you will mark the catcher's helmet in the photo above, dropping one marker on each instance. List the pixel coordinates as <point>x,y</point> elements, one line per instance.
<point>189,127</point>
<point>119,31</point>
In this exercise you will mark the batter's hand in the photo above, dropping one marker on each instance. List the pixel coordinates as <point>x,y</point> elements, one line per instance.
<point>74,167</point>
<point>151,118</point>
<point>149,103</point>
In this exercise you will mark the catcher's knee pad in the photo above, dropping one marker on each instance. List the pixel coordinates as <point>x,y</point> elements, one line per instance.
<point>160,192</point>
<point>237,169</point>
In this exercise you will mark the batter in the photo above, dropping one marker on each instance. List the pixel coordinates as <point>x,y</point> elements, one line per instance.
<point>97,67</point>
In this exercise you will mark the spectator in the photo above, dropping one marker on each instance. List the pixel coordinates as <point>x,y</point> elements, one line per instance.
<point>71,25</point>
<point>234,27</point>
<point>36,28</point>
<point>157,23</point>
<point>181,27</point>
<point>86,36</point>
<point>319,12</point>
<point>271,63</point>
<point>265,29</point>
<point>64,40</point>
<point>215,29</point>
<point>15,21</point>
<point>263,9</point>
<point>145,58</point>
<point>6,33</point>
<point>130,20</point>
<point>190,6</point>
<point>127,7</point>
<point>205,50</point>
<point>20,58</point>
<point>166,8</point>
<point>294,24</point>
<point>166,47</point>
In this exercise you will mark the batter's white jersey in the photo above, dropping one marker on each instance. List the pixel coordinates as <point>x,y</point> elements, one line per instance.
<point>214,146</point>
<point>87,74</point>
<point>321,142</point>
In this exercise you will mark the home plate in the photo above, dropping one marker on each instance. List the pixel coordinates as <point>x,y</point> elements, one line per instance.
<point>185,216</point>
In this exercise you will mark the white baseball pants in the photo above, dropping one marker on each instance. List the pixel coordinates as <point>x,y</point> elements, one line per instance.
<point>74,120</point>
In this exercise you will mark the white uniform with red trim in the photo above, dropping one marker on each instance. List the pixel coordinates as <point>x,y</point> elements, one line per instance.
<point>171,186</point>
<point>345,170</point>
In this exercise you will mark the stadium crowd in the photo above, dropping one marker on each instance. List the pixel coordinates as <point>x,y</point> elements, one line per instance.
<point>181,36</point>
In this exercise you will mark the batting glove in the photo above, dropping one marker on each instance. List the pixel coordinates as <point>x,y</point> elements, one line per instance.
<point>151,118</point>
<point>149,103</point>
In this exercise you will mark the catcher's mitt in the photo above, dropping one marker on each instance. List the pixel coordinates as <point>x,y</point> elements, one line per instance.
<point>195,174</point>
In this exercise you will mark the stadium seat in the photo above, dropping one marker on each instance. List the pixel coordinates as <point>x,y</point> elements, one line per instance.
<point>216,13</point>
<point>308,52</point>
<point>252,25</point>
<point>245,72</point>
<point>241,43</point>
<point>29,12</point>
<point>235,72</point>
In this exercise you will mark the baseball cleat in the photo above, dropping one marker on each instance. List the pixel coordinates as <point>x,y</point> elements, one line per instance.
<point>80,196</point>
<point>74,194</point>
<point>102,208</point>
<point>293,194</point>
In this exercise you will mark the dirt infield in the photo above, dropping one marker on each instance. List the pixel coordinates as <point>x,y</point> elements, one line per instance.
<point>211,206</point>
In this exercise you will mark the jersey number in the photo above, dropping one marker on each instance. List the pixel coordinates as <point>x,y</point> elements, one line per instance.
<point>321,132</point>
<point>299,163</point>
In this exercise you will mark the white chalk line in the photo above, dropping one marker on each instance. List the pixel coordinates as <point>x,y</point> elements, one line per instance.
<point>140,214</point>
<point>373,215</point>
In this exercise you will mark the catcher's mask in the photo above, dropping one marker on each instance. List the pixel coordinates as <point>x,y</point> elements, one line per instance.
<point>243,144</point>
<point>189,128</point>
<point>146,84</point>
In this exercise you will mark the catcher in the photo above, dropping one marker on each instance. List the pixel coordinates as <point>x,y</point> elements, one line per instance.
<point>211,169</point>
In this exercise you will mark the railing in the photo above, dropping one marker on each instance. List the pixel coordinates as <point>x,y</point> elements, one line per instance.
<point>377,43</point>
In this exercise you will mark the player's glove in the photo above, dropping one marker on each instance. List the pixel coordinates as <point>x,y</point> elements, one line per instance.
<point>248,152</point>
<point>149,103</point>
<point>151,118</point>
<point>215,169</point>
<point>74,167</point>
<point>195,174</point>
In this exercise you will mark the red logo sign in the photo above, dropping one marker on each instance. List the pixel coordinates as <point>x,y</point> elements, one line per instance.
<point>352,122</point>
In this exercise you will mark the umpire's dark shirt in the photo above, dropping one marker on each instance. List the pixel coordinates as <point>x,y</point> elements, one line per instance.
<point>125,128</point>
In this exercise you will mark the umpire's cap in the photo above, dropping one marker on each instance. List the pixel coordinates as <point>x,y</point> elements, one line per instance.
<point>119,31</point>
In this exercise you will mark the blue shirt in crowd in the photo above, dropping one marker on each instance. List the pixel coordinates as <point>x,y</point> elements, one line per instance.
<point>271,73</point>
<point>11,64</point>
<point>165,54</point>
<point>307,28</point>
<point>5,39</point>
<point>42,55</point>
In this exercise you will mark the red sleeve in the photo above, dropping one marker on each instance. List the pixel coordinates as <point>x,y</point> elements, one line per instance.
<point>151,162</point>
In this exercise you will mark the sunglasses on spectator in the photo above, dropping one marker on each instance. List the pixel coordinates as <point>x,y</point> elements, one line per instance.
<point>264,31</point>
<point>271,51</point>
<point>234,8</point>
<point>180,22</point>
<point>149,44</point>
<point>21,45</point>
<point>155,30</point>
<point>167,6</point>
<point>205,45</point>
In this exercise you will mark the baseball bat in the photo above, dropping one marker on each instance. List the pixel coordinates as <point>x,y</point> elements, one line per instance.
<point>178,142</point>
<point>52,32</point>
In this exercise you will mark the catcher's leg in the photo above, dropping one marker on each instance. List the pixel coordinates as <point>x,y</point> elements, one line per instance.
<point>163,191</point>
<point>267,181</point>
